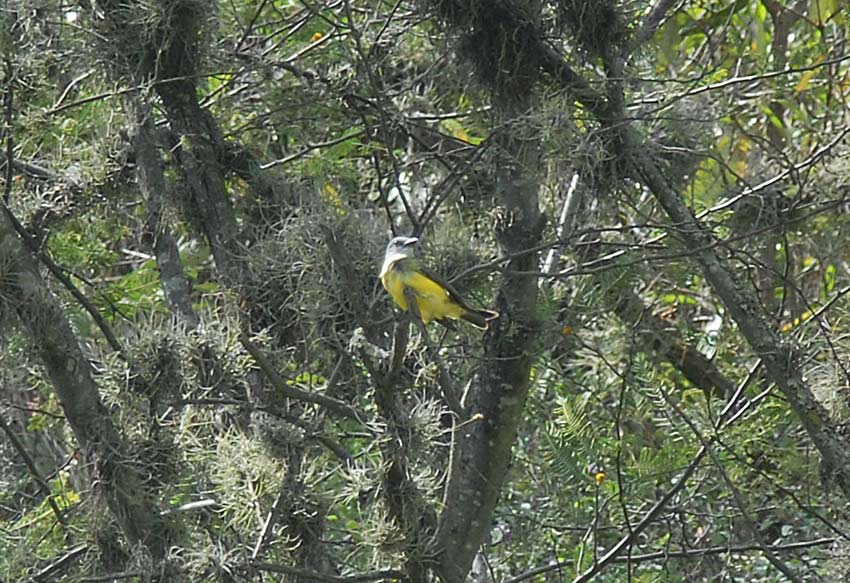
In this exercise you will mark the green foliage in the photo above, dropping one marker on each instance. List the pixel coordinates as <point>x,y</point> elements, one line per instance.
<point>134,294</point>
<point>38,534</point>
<point>87,245</point>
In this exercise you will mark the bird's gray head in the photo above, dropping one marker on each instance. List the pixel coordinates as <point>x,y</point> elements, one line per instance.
<point>401,247</point>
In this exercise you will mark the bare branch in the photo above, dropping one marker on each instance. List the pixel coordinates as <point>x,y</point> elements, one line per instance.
<point>566,222</point>
<point>389,574</point>
<point>312,148</point>
<point>293,392</point>
<point>65,560</point>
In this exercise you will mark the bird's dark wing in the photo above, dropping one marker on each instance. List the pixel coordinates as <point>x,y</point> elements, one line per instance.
<point>453,293</point>
<point>476,316</point>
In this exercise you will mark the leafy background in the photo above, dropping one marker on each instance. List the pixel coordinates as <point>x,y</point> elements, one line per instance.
<point>349,112</point>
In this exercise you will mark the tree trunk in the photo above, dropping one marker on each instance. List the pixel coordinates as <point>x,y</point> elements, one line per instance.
<point>70,372</point>
<point>482,445</point>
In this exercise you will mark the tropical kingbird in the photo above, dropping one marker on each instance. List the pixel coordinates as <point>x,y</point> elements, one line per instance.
<point>404,276</point>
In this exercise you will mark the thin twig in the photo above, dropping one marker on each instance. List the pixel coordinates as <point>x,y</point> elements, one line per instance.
<point>68,88</point>
<point>390,574</point>
<point>250,26</point>
<point>269,522</point>
<point>380,96</point>
<point>678,554</point>
<point>311,148</point>
<point>293,392</point>
<point>28,461</point>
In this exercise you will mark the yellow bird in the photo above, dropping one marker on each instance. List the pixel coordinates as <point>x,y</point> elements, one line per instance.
<point>403,276</point>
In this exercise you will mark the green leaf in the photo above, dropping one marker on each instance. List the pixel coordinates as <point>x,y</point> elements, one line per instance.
<point>829,278</point>
<point>822,11</point>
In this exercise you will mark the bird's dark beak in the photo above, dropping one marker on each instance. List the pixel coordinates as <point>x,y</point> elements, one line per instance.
<point>411,241</point>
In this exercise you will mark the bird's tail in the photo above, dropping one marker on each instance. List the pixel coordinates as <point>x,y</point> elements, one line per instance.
<point>479,318</point>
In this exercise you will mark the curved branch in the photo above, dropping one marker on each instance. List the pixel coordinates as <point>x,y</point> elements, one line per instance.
<point>333,405</point>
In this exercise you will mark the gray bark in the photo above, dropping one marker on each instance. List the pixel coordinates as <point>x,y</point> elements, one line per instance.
<point>482,445</point>
<point>198,148</point>
<point>174,284</point>
<point>482,448</point>
<point>780,358</point>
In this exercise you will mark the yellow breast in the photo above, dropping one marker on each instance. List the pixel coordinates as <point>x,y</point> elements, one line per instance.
<point>432,299</point>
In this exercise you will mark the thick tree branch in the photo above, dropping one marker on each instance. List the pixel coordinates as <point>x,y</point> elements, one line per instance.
<point>481,451</point>
<point>29,169</point>
<point>404,500</point>
<point>62,562</point>
<point>780,357</point>
<point>8,123</point>
<point>197,150</point>
<point>502,39</point>
<point>151,178</point>
<point>169,65</point>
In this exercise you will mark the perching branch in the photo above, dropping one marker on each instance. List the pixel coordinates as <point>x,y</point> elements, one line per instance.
<point>403,498</point>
